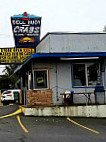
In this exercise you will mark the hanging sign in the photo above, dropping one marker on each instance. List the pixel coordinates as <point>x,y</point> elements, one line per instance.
<point>15,55</point>
<point>26,30</point>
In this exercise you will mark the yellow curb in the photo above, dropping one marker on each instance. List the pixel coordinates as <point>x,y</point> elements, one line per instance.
<point>22,108</point>
<point>12,114</point>
<point>22,126</point>
<point>11,104</point>
<point>82,126</point>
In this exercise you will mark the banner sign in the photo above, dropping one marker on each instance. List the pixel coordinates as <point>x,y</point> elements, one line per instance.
<point>15,55</point>
<point>26,30</point>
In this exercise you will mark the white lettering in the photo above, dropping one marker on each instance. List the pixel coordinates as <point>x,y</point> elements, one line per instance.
<point>34,22</point>
<point>36,30</point>
<point>31,30</point>
<point>13,22</point>
<point>18,22</point>
<point>16,29</point>
<point>27,30</point>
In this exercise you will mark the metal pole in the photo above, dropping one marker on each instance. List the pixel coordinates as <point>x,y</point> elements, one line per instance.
<point>57,84</point>
<point>0,98</point>
<point>25,96</point>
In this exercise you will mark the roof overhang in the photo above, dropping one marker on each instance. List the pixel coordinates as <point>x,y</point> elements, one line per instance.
<point>62,56</point>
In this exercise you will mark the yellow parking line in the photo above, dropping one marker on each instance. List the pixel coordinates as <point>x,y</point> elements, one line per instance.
<point>22,126</point>
<point>82,126</point>
<point>15,113</point>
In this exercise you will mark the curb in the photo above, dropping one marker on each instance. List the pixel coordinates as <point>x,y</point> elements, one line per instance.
<point>98,111</point>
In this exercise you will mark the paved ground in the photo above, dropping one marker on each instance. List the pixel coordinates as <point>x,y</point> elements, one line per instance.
<point>50,129</point>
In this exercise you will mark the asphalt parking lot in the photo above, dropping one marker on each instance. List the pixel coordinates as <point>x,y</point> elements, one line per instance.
<point>49,129</point>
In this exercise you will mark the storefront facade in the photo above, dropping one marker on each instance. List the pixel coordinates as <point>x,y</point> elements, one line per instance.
<point>65,61</point>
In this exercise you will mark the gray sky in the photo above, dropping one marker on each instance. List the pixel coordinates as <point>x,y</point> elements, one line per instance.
<point>57,15</point>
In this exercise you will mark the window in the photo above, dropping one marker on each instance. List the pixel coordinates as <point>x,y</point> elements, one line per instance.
<point>86,74</point>
<point>79,78</point>
<point>41,78</point>
<point>7,92</point>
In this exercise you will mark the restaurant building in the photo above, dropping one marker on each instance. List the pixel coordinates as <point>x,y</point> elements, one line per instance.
<point>74,62</point>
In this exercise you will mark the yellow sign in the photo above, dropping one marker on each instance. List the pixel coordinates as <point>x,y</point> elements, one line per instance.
<point>15,55</point>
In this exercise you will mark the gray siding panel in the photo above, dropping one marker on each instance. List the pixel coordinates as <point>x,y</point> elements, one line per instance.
<point>54,43</point>
<point>44,46</point>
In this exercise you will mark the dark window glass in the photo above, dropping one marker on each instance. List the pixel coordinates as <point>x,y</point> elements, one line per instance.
<point>93,74</point>
<point>7,92</point>
<point>79,78</point>
<point>86,74</point>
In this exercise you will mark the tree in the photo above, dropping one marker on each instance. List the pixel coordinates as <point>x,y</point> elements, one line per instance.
<point>7,80</point>
<point>4,82</point>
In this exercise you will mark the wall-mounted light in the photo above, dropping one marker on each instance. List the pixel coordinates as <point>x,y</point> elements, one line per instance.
<point>82,58</point>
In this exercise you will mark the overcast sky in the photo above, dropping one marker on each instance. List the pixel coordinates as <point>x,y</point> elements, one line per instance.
<point>57,15</point>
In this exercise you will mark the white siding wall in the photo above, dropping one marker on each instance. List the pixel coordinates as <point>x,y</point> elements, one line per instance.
<point>63,82</point>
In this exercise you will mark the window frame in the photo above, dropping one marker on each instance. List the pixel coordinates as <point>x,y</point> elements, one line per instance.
<point>86,75</point>
<point>40,69</point>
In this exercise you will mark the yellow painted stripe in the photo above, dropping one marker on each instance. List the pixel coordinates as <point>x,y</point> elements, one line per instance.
<point>15,113</point>
<point>82,126</point>
<point>11,104</point>
<point>22,126</point>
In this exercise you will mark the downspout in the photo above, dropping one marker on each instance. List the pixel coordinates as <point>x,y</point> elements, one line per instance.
<point>57,84</point>
<point>21,83</point>
<point>32,77</point>
<point>28,80</point>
